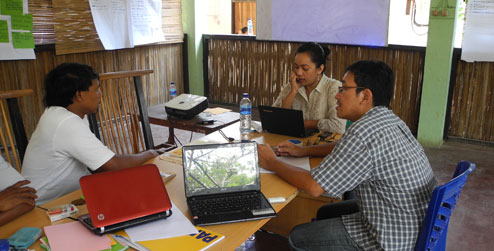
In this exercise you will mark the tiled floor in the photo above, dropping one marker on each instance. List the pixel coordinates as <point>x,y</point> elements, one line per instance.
<point>472,223</point>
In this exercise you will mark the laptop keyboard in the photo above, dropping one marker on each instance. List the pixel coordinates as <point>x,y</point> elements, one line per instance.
<point>226,204</point>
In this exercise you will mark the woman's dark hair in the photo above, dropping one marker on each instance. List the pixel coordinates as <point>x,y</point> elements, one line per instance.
<point>318,53</point>
<point>376,76</point>
<point>63,82</point>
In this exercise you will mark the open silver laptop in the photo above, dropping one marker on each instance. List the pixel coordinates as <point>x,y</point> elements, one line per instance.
<point>222,183</point>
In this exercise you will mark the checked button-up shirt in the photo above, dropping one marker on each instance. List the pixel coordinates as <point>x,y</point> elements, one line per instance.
<point>380,160</point>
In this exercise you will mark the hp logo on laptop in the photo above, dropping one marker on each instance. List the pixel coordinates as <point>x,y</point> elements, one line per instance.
<point>101,216</point>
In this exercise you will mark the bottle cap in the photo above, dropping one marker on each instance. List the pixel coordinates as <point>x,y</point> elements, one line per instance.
<point>245,95</point>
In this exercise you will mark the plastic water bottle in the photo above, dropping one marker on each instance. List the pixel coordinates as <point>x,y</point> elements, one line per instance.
<point>172,91</point>
<point>250,27</point>
<point>245,117</point>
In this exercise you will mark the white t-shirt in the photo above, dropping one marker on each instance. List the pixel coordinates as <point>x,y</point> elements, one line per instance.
<point>8,175</point>
<point>59,152</point>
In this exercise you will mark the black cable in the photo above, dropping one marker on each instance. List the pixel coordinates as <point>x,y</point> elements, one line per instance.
<point>176,138</point>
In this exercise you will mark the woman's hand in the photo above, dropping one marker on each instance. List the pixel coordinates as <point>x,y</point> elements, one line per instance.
<point>293,82</point>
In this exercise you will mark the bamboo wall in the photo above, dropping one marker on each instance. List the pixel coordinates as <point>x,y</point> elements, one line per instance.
<point>472,107</point>
<point>261,68</point>
<point>165,60</point>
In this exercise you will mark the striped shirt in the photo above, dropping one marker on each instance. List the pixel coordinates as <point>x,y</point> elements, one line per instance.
<point>380,160</point>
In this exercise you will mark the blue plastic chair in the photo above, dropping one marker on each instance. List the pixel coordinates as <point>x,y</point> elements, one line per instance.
<point>432,236</point>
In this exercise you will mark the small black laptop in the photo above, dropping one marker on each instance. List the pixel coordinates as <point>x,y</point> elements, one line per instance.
<point>222,183</point>
<point>284,121</point>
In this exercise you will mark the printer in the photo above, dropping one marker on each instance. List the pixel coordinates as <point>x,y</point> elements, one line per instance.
<point>186,106</point>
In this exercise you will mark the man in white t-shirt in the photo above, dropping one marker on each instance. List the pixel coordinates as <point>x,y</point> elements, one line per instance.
<point>62,147</point>
<point>15,198</point>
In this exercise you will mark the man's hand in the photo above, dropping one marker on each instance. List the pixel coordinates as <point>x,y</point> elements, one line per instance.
<point>266,156</point>
<point>287,148</point>
<point>16,194</point>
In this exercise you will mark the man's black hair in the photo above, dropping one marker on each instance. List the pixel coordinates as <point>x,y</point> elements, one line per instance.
<point>376,76</point>
<point>318,53</point>
<point>63,82</point>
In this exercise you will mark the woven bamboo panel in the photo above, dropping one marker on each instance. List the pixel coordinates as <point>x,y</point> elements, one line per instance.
<point>43,21</point>
<point>75,31</point>
<point>261,68</point>
<point>165,60</point>
<point>472,108</point>
<point>74,27</point>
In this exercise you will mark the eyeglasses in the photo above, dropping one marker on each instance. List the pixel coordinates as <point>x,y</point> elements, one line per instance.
<point>342,89</point>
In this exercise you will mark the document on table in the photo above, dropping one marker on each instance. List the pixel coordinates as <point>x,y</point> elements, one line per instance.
<point>74,236</point>
<point>175,225</point>
<point>303,163</point>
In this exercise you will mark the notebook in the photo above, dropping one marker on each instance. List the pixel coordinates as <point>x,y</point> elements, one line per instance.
<point>284,121</point>
<point>124,198</point>
<point>222,183</point>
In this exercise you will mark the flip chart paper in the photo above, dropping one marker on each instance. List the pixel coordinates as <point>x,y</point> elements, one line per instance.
<point>478,38</point>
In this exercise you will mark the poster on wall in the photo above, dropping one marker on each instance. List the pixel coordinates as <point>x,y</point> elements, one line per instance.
<point>16,26</point>
<point>478,37</point>
<point>357,22</point>
<point>124,24</point>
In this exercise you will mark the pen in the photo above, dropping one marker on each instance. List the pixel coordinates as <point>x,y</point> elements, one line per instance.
<point>169,177</point>
<point>317,141</point>
<point>129,243</point>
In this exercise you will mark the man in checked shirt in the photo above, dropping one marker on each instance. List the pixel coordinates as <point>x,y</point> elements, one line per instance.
<point>377,157</point>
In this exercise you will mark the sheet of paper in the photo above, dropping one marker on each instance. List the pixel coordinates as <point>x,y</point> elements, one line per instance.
<point>7,48</point>
<point>22,22</point>
<point>478,38</point>
<point>4,31</point>
<point>112,23</point>
<point>175,225</point>
<point>217,110</point>
<point>74,236</point>
<point>145,21</point>
<point>303,163</point>
<point>11,7</point>
<point>23,40</point>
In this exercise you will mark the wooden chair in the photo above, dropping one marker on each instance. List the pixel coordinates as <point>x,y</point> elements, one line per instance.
<point>122,107</point>
<point>12,131</point>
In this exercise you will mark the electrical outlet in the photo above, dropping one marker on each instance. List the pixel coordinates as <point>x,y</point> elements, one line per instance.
<point>443,13</point>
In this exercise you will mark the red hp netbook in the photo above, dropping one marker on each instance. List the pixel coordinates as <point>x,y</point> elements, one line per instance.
<point>124,198</point>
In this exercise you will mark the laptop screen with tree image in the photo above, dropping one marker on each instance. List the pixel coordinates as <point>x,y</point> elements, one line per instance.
<point>211,169</point>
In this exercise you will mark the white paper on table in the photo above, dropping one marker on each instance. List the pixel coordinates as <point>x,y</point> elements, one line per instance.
<point>303,163</point>
<point>175,225</point>
<point>112,23</point>
<point>145,21</point>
